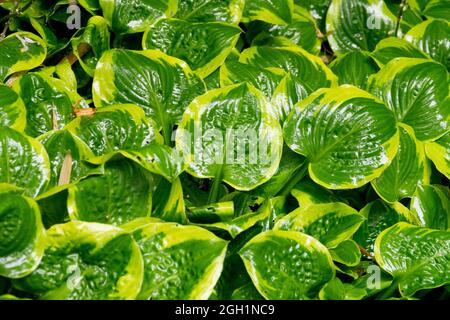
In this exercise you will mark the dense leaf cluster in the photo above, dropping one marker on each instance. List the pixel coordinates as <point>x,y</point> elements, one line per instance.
<point>321,171</point>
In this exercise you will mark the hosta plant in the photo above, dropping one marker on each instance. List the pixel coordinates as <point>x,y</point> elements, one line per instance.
<point>206,149</point>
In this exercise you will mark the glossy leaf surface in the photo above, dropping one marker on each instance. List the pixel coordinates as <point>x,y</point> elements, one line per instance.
<point>400,251</point>
<point>23,162</point>
<point>180,262</point>
<point>330,223</point>
<point>358,24</point>
<point>439,152</point>
<point>416,91</point>
<point>20,51</point>
<point>119,127</point>
<point>380,216</point>
<point>221,116</point>
<point>287,265</point>
<point>122,193</point>
<point>80,254</point>
<point>12,109</point>
<point>407,171</point>
<point>431,205</point>
<point>162,85</point>
<point>348,136</point>
<point>23,236</point>
<point>135,16</point>
<point>204,46</point>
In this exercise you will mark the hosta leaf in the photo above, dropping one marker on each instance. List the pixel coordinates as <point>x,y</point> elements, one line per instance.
<point>306,192</point>
<point>12,109</point>
<point>20,51</point>
<point>22,237</point>
<point>407,170</point>
<point>119,127</point>
<point>432,37</point>
<point>306,67</point>
<point>211,10</point>
<point>354,68</point>
<point>431,204</point>
<point>333,290</point>
<point>416,90</point>
<point>162,85</point>
<point>135,16</point>
<point>348,136</point>
<point>347,253</point>
<point>122,193</point>
<point>203,45</point>
<point>180,262</point>
<point>417,257</point>
<point>48,105</point>
<point>272,11</point>
<point>439,152</point>
<point>66,150</point>
<point>358,24</point>
<point>329,223</point>
<point>231,134</point>
<point>97,36</point>
<point>84,261</point>
<point>23,162</point>
<point>301,31</point>
<point>380,216</point>
<point>391,48</point>
<point>169,202</point>
<point>287,265</point>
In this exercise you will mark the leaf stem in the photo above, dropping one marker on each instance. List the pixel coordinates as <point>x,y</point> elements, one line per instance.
<point>365,252</point>
<point>82,49</point>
